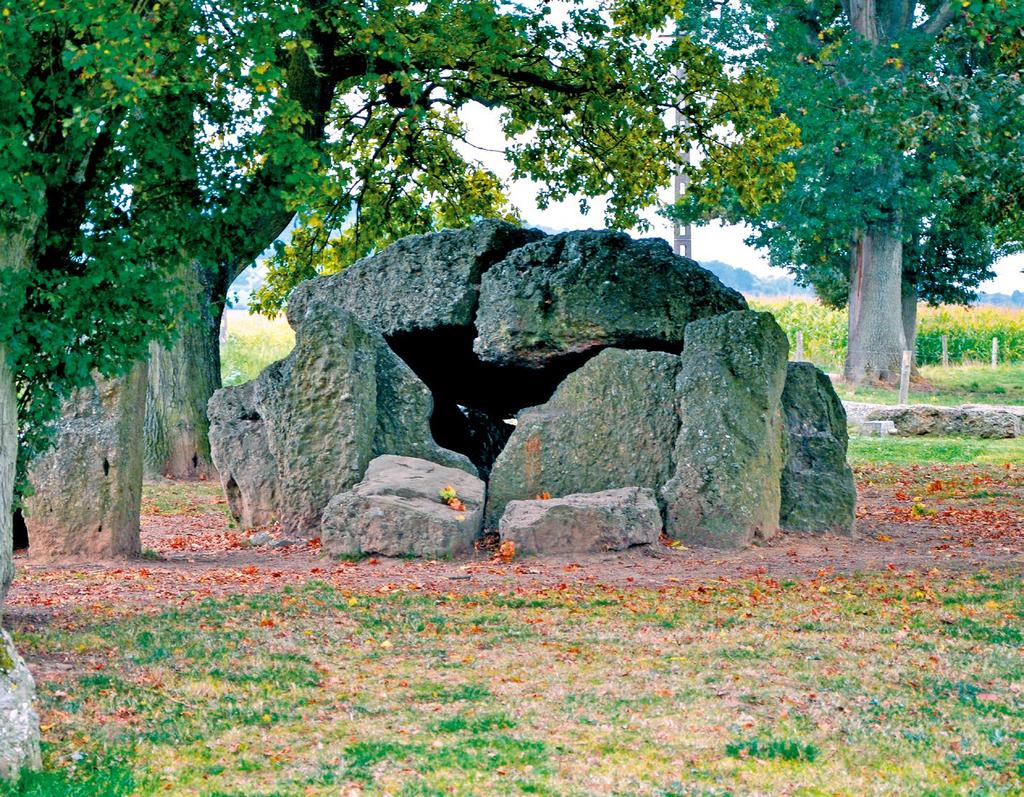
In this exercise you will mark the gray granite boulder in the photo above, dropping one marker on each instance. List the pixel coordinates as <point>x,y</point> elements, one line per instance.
<point>421,282</point>
<point>88,488</point>
<point>241,454</point>
<point>339,399</point>
<point>967,421</point>
<point>611,424</point>
<point>611,520</point>
<point>577,292</point>
<point>817,488</point>
<point>730,451</point>
<point>19,724</point>
<point>396,510</point>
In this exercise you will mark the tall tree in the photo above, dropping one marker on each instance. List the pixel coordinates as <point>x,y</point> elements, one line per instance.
<point>907,180</point>
<point>380,88</point>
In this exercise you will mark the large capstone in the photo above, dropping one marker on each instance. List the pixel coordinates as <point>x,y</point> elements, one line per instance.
<point>818,492</point>
<point>610,520</point>
<point>611,424</point>
<point>420,283</point>
<point>19,724</point>
<point>579,292</point>
<point>730,450</point>
<point>339,399</point>
<point>87,490</point>
<point>397,510</point>
<point>241,454</point>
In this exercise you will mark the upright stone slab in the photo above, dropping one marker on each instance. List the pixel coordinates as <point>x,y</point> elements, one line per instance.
<point>577,292</point>
<point>610,424</point>
<point>423,282</point>
<point>88,488</point>
<point>818,492</point>
<point>241,454</point>
<point>339,399</point>
<point>730,450</point>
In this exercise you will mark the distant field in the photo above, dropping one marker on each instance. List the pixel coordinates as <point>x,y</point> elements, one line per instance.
<point>970,331</point>
<point>253,343</point>
<point>935,450</point>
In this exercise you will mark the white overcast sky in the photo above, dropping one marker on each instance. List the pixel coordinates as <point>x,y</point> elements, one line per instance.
<point>712,242</point>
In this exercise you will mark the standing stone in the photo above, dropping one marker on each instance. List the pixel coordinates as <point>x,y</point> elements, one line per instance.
<point>730,451</point>
<point>339,399</point>
<point>611,520</point>
<point>422,282</point>
<point>88,489</point>
<point>576,292</point>
<point>610,424</point>
<point>396,510</point>
<point>818,492</point>
<point>19,724</point>
<point>241,455</point>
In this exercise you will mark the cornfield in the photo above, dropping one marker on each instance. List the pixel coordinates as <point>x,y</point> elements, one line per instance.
<point>970,331</point>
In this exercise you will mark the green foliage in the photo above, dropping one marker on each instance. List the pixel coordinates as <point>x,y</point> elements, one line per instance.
<point>911,124</point>
<point>784,749</point>
<point>583,103</point>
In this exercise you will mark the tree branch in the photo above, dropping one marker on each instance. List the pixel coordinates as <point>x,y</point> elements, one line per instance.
<point>940,20</point>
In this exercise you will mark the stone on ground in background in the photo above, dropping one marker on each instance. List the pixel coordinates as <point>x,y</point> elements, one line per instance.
<point>396,510</point>
<point>730,451</point>
<point>418,283</point>
<point>926,419</point>
<point>339,399</point>
<point>610,424</point>
<point>88,488</point>
<point>575,292</point>
<point>611,520</point>
<point>238,446</point>
<point>818,492</point>
<point>19,724</point>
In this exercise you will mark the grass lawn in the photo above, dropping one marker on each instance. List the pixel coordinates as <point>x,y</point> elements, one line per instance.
<point>961,384</point>
<point>882,684</point>
<point>948,450</point>
<point>253,343</point>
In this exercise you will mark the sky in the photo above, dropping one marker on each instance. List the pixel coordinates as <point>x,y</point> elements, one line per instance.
<point>711,242</point>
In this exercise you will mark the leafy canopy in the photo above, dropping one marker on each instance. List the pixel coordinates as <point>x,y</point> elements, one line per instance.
<point>917,128</point>
<point>584,101</point>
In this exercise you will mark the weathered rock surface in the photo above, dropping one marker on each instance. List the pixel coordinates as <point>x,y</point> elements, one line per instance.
<point>88,488</point>
<point>339,399</point>
<point>818,492</point>
<point>422,282</point>
<point>730,450</point>
<point>396,510</point>
<point>19,724</point>
<point>967,421</point>
<point>611,520</point>
<point>241,454</point>
<point>611,424</point>
<point>576,292</point>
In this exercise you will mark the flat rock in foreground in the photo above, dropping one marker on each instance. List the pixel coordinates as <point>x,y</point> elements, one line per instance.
<point>611,520</point>
<point>396,510</point>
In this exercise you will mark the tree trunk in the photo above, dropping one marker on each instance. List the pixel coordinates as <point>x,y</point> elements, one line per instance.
<point>8,463</point>
<point>908,302</point>
<point>181,381</point>
<point>876,341</point>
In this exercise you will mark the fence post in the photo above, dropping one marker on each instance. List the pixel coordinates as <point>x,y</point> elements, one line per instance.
<point>945,351</point>
<point>995,352</point>
<point>799,347</point>
<point>905,377</point>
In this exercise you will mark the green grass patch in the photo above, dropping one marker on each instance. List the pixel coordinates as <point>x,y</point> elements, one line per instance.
<point>253,343</point>
<point>922,450</point>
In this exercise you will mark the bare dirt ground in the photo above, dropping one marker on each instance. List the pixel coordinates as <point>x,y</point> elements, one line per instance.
<point>944,519</point>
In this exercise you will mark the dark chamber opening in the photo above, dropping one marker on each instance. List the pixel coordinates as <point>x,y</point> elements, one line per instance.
<point>473,399</point>
<point>20,531</point>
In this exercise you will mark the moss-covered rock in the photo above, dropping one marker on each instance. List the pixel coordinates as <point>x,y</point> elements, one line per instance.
<point>19,723</point>
<point>730,450</point>
<point>818,492</point>
<point>610,424</point>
